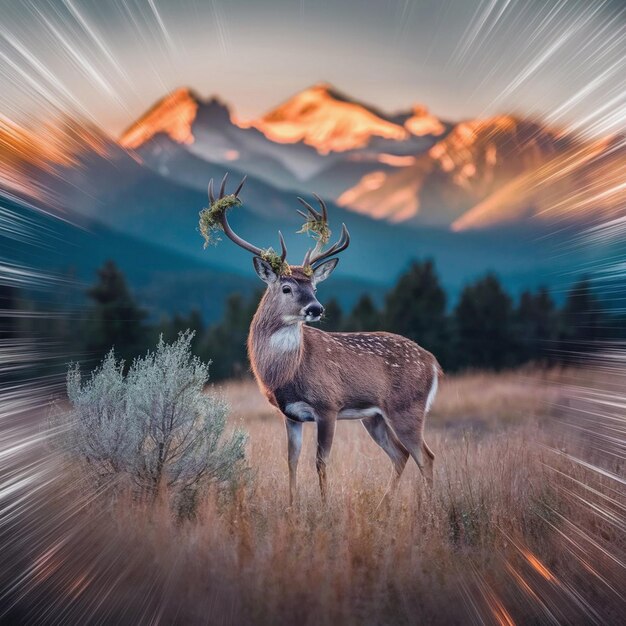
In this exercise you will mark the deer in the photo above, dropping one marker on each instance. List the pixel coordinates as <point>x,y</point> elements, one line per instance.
<point>384,380</point>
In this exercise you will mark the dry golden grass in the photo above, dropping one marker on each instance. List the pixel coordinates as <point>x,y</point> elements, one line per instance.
<point>490,398</point>
<point>488,545</point>
<point>485,545</point>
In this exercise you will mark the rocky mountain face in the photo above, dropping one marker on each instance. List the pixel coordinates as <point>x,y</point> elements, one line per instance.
<point>407,166</point>
<point>472,162</point>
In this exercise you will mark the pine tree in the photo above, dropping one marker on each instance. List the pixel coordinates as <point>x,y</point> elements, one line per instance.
<point>8,304</point>
<point>536,326</point>
<point>115,320</point>
<point>364,316</point>
<point>225,342</point>
<point>483,325</point>
<point>583,319</point>
<point>416,308</point>
<point>333,316</point>
<point>171,328</point>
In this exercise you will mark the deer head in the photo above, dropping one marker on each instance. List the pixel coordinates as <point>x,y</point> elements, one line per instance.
<point>290,288</point>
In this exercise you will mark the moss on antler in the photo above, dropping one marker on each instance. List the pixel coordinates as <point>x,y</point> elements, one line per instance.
<point>209,224</point>
<point>280,267</point>
<point>210,227</point>
<point>317,228</point>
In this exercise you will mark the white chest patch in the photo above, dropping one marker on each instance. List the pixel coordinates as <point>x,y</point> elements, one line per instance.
<point>286,339</point>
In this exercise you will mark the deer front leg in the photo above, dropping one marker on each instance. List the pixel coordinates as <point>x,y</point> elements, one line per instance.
<point>325,434</point>
<point>294,445</point>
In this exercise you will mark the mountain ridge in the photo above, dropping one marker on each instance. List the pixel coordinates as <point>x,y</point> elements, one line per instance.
<point>175,112</point>
<point>361,157</point>
<point>406,166</point>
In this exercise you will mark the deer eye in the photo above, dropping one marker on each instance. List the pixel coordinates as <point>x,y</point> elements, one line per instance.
<point>286,289</point>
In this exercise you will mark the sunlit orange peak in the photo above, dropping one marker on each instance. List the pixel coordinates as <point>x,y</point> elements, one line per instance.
<point>423,123</point>
<point>172,115</point>
<point>322,118</point>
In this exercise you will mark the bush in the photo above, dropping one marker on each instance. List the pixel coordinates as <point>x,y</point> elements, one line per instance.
<point>155,426</point>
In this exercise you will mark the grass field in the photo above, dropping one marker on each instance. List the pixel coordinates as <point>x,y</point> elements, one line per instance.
<point>516,530</point>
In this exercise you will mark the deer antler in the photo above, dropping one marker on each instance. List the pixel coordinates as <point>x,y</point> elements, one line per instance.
<point>217,214</point>
<point>318,223</point>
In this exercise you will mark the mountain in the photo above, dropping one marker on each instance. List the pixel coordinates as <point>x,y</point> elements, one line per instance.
<point>327,120</point>
<point>579,185</point>
<point>404,167</point>
<point>497,171</point>
<point>354,138</point>
<point>172,116</point>
<point>28,152</point>
<point>183,124</point>
<point>318,140</point>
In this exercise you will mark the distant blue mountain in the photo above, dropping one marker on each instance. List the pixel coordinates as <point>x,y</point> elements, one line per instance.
<point>163,280</point>
<point>155,209</point>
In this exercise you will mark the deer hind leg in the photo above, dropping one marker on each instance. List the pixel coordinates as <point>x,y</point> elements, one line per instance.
<point>408,430</point>
<point>294,445</point>
<point>429,459</point>
<point>325,434</point>
<point>384,437</point>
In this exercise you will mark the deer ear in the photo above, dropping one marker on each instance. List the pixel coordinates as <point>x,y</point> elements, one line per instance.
<point>323,271</point>
<point>264,270</point>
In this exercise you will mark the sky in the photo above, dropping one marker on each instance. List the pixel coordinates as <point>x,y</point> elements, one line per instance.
<point>109,60</point>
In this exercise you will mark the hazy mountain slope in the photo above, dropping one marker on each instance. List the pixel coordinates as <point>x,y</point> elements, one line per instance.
<point>166,214</point>
<point>477,160</point>
<point>144,204</point>
<point>583,185</point>
<point>163,280</point>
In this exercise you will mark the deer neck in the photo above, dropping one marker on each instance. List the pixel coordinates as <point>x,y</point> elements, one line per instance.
<point>275,347</point>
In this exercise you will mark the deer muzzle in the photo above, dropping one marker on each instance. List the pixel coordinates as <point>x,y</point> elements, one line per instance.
<point>313,312</point>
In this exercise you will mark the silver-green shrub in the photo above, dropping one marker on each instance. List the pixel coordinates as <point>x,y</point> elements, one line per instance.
<point>155,426</point>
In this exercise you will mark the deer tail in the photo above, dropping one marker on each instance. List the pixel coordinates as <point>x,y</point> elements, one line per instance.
<point>437,371</point>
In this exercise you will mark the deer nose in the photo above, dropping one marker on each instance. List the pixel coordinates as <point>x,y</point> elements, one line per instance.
<point>315,309</point>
